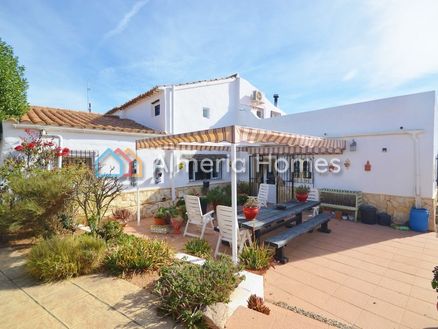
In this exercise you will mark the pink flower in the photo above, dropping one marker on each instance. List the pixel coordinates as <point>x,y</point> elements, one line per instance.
<point>19,148</point>
<point>31,145</point>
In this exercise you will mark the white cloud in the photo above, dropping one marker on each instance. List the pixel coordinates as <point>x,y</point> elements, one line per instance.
<point>123,23</point>
<point>349,75</point>
<point>405,46</point>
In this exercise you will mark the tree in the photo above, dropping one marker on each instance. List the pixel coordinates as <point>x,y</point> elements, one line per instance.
<point>95,195</point>
<point>13,85</point>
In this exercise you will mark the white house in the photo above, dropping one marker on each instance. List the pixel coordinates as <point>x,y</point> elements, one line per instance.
<point>109,140</point>
<point>396,136</point>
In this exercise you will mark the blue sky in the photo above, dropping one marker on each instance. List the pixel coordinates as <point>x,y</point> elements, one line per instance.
<point>315,54</point>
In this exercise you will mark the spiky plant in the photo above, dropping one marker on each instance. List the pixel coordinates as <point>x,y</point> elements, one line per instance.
<point>256,303</point>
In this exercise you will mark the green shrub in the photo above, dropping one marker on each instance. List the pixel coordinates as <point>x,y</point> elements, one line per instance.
<point>34,200</point>
<point>185,289</point>
<point>198,247</point>
<point>256,257</point>
<point>62,258</point>
<point>110,230</point>
<point>131,254</point>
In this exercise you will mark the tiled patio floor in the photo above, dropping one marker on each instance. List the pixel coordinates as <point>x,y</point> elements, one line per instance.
<point>370,276</point>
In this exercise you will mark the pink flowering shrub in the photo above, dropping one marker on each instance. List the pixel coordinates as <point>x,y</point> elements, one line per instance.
<point>35,150</point>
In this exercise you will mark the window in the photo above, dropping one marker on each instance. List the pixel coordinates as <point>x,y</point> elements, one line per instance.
<point>77,157</point>
<point>205,169</point>
<point>156,108</point>
<point>206,112</point>
<point>259,114</point>
<point>275,114</point>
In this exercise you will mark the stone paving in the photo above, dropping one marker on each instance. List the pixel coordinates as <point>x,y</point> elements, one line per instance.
<point>364,275</point>
<point>93,301</point>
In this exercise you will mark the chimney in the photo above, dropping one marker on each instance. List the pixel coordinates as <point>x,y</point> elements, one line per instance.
<point>276,99</point>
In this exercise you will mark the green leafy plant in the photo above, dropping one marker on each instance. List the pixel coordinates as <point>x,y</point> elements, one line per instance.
<point>256,303</point>
<point>35,199</point>
<point>302,189</point>
<point>256,257</point>
<point>110,230</point>
<point>13,85</point>
<point>435,278</point>
<point>241,199</point>
<point>62,258</point>
<point>244,188</point>
<point>130,254</point>
<point>185,289</point>
<point>216,196</point>
<point>166,213</point>
<point>198,247</point>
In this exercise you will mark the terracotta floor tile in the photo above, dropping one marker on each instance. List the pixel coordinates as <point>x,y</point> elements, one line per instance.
<point>415,321</point>
<point>352,296</point>
<point>390,296</point>
<point>426,295</point>
<point>368,320</point>
<point>343,310</point>
<point>423,308</point>
<point>395,285</point>
<point>360,285</point>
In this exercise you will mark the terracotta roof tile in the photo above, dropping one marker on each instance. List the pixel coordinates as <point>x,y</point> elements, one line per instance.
<point>155,90</point>
<point>48,116</point>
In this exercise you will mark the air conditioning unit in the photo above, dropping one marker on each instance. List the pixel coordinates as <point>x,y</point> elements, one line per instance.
<point>257,96</point>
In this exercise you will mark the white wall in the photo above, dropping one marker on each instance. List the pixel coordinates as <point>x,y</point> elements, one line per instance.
<point>142,112</point>
<point>100,142</point>
<point>392,172</point>
<point>246,103</point>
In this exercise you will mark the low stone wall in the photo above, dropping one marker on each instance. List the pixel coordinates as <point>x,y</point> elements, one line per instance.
<point>399,207</point>
<point>152,199</point>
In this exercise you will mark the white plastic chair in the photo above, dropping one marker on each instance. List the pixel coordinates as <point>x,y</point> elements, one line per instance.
<point>225,223</point>
<point>195,216</point>
<point>314,196</point>
<point>262,197</point>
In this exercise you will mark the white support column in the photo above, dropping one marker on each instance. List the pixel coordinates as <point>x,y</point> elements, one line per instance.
<point>137,190</point>
<point>172,175</point>
<point>234,202</point>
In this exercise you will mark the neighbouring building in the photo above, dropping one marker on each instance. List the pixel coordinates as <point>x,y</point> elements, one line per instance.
<point>397,137</point>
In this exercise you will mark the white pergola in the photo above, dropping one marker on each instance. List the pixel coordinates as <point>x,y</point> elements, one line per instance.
<point>238,138</point>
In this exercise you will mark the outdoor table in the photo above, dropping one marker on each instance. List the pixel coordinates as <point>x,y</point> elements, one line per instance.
<point>271,217</point>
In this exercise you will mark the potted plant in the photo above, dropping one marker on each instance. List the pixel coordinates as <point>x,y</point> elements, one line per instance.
<point>216,196</point>
<point>302,193</point>
<point>181,216</point>
<point>163,215</point>
<point>435,281</point>
<point>251,208</point>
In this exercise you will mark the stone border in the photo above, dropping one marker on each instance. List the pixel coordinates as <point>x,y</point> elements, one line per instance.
<point>313,315</point>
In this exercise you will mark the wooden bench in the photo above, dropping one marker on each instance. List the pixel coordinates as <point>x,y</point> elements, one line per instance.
<point>341,200</point>
<point>279,241</point>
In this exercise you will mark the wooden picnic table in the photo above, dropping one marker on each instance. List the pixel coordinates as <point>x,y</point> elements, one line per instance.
<point>270,217</point>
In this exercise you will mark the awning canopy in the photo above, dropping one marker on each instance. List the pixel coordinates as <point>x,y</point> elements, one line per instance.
<point>251,140</point>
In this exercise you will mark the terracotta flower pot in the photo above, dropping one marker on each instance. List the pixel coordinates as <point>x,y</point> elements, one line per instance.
<point>302,197</point>
<point>160,221</point>
<point>250,213</point>
<point>176,225</point>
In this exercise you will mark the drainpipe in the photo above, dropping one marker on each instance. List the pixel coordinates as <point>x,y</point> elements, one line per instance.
<point>414,136</point>
<point>60,143</point>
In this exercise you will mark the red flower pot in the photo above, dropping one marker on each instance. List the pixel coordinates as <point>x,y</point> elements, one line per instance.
<point>250,213</point>
<point>176,225</point>
<point>302,197</point>
<point>160,221</point>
